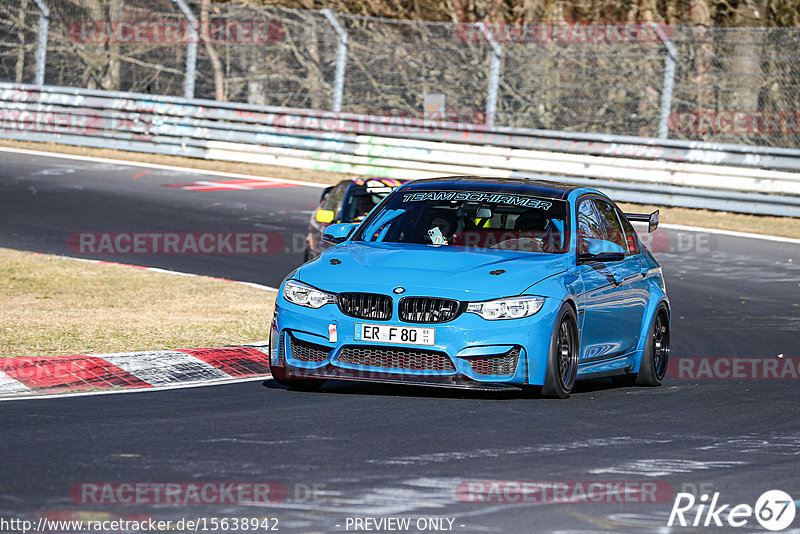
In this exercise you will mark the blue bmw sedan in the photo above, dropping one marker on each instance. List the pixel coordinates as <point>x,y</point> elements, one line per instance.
<point>477,282</point>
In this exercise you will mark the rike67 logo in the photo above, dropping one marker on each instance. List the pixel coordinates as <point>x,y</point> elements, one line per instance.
<point>774,510</point>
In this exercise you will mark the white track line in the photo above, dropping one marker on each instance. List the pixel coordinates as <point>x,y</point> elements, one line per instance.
<point>159,166</point>
<point>732,233</point>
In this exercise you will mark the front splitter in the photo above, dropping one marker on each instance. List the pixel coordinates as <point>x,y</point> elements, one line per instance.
<point>352,375</point>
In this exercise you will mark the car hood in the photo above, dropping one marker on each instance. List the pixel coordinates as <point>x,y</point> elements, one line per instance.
<point>425,270</point>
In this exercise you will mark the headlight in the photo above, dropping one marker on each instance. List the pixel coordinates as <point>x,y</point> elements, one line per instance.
<point>307,296</point>
<point>507,308</point>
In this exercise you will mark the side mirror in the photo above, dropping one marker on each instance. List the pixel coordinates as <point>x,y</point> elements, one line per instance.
<point>601,251</point>
<point>324,216</point>
<point>325,192</point>
<point>337,233</point>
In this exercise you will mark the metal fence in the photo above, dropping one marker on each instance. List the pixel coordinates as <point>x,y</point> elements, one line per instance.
<point>684,83</point>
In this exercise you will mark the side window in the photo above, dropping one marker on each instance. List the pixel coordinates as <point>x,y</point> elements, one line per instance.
<point>588,224</point>
<point>333,201</point>
<point>611,224</point>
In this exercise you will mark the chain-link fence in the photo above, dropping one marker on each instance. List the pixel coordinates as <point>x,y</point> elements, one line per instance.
<point>18,40</point>
<point>720,85</point>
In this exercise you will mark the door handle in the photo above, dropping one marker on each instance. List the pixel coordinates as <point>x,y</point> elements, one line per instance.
<point>644,270</point>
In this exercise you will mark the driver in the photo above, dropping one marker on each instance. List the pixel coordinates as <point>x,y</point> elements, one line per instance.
<point>536,225</point>
<point>441,228</point>
<point>363,206</point>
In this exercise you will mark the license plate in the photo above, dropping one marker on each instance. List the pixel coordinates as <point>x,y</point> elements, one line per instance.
<point>384,333</point>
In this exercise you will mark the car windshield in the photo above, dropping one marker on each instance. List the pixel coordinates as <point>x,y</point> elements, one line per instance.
<point>475,219</point>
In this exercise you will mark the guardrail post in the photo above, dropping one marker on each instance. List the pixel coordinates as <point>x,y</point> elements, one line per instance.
<point>341,58</point>
<point>669,80</point>
<point>191,49</point>
<point>41,52</point>
<point>494,75</point>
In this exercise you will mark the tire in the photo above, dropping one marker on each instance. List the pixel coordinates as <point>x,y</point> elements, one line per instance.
<point>656,352</point>
<point>300,384</point>
<point>562,362</point>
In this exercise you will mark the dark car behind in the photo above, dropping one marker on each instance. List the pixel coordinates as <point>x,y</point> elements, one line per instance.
<point>348,201</point>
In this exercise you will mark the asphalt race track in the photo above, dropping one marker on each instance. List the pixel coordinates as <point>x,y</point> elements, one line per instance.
<point>361,451</point>
<point>47,200</point>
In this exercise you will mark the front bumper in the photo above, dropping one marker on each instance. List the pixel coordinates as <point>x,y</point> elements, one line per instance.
<point>469,351</point>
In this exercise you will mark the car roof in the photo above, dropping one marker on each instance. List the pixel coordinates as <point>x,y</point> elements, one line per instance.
<point>540,188</point>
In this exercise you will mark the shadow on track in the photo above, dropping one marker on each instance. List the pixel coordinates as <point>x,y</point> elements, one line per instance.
<point>334,387</point>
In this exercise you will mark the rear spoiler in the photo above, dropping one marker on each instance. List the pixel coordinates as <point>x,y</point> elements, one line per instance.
<point>651,219</point>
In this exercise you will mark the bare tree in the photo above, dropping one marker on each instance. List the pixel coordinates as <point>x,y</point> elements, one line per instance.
<point>216,65</point>
<point>745,63</point>
<point>19,67</point>
<point>704,53</point>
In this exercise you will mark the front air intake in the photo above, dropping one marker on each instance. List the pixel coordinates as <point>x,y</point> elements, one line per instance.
<point>396,358</point>
<point>366,306</point>
<point>428,310</point>
<point>308,352</point>
<point>502,364</point>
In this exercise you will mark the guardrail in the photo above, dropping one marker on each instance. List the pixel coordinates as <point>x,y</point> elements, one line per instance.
<point>737,178</point>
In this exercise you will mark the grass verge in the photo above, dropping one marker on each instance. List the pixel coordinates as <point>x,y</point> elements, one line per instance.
<point>780,226</point>
<point>57,306</point>
<point>722,220</point>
